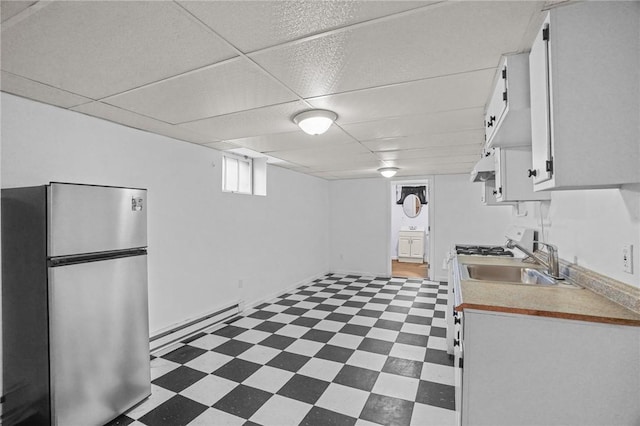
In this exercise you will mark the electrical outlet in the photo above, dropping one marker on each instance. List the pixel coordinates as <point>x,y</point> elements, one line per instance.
<point>627,258</point>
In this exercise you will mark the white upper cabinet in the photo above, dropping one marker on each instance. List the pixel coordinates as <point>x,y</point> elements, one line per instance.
<point>512,180</point>
<point>488,194</point>
<point>585,97</point>
<point>508,114</point>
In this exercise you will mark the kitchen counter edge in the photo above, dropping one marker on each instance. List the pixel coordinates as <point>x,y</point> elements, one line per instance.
<point>573,304</point>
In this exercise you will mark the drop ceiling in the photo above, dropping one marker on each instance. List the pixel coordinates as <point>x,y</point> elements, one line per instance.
<point>408,79</point>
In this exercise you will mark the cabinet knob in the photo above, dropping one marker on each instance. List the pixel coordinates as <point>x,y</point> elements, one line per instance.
<point>495,192</point>
<point>533,173</point>
<point>456,320</point>
<point>456,342</point>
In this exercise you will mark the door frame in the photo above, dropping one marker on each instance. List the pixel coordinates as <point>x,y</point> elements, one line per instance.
<point>428,181</point>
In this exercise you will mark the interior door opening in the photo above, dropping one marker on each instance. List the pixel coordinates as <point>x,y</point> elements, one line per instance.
<point>410,229</point>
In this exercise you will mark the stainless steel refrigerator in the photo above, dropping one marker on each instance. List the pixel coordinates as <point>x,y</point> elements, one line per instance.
<point>74,303</point>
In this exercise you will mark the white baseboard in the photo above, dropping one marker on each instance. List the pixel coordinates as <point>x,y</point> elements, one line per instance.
<point>306,281</point>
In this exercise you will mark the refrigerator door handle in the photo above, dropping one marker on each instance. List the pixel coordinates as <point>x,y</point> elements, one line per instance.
<point>95,257</point>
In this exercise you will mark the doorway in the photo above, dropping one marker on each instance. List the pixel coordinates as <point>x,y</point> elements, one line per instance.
<point>409,239</point>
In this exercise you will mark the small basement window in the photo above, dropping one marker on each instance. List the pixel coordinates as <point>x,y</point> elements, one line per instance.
<point>244,175</point>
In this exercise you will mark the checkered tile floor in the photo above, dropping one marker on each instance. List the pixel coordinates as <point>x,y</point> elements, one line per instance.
<point>344,350</point>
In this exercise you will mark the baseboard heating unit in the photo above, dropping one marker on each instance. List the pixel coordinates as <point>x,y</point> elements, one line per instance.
<point>190,327</point>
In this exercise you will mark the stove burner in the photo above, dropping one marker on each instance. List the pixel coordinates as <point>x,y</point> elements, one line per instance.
<point>483,250</point>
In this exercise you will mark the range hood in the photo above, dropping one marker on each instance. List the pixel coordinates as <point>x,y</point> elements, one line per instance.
<point>484,170</point>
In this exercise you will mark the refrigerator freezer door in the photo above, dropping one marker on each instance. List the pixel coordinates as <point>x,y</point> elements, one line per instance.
<point>99,339</point>
<point>90,219</point>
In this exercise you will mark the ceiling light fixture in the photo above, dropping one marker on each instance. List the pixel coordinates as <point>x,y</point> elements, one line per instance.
<point>388,171</point>
<point>315,121</point>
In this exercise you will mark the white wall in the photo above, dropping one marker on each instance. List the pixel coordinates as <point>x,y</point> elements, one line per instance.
<point>590,227</point>
<point>201,241</point>
<point>460,217</point>
<point>360,226</point>
<point>360,222</point>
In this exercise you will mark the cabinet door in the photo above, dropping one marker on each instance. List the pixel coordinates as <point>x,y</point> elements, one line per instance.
<point>497,105</point>
<point>404,247</point>
<point>539,78</point>
<point>500,175</point>
<point>417,247</point>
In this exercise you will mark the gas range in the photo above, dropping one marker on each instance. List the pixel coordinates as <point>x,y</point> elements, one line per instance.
<point>483,250</point>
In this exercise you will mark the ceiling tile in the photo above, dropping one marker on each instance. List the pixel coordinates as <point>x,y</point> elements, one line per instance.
<point>443,39</point>
<point>223,88</point>
<point>96,48</point>
<point>437,152</point>
<point>409,163</point>
<point>128,118</point>
<point>30,89</point>
<point>221,146</point>
<point>327,155</point>
<point>470,137</point>
<point>294,140</point>
<point>252,25</point>
<point>436,123</point>
<point>436,169</point>
<point>253,122</point>
<point>9,9</point>
<point>417,164</point>
<point>447,93</point>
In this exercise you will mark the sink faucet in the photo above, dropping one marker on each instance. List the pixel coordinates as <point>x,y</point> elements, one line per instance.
<point>553,269</point>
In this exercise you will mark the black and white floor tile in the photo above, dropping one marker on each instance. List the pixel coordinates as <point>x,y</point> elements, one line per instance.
<point>344,350</point>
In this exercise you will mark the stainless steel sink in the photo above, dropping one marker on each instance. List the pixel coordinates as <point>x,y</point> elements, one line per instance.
<point>514,274</point>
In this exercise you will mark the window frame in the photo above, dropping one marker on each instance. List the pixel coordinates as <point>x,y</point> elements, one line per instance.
<point>241,178</point>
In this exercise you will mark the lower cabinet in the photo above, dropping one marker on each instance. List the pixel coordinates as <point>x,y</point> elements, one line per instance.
<point>526,370</point>
<point>411,246</point>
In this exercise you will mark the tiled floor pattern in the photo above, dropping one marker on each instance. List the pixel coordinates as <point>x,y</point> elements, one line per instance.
<point>344,350</point>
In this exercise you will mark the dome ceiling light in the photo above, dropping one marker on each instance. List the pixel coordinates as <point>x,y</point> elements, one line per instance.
<point>388,171</point>
<point>315,121</point>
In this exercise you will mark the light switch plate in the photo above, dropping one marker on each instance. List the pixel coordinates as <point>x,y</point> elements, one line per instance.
<point>627,258</point>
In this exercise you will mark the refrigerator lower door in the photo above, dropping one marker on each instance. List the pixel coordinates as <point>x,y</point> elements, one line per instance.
<point>99,339</point>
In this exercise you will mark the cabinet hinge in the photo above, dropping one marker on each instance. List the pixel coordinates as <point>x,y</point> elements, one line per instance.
<point>504,96</point>
<point>549,166</point>
<point>504,73</point>
<point>545,34</point>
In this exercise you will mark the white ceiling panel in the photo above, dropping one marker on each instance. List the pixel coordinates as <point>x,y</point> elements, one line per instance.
<point>418,46</point>
<point>223,88</point>
<point>436,169</point>
<point>313,157</point>
<point>471,137</point>
<point>453,151</point>
<point>412,163</point>
<point>9,9</point>
<point>442,122</point>
<point>348,174</point>
<point>98,48</point>
<point>294,140</point>
<point>220,146</point>
<point>408,79</point>
<point>434,94</point>
<point>118,115</point>
<point>253,25</point>
<point>30,89</point>
<point>254,122</point>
